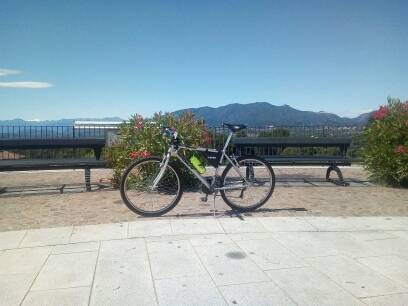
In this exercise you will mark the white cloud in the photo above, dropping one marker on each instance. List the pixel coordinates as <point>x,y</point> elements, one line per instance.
<point>4,72</point>
<point>31,85</point>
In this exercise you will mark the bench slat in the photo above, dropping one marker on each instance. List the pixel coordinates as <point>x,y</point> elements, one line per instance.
<point>291,141</point>
<point>6,144</point>
<point>48,164</point>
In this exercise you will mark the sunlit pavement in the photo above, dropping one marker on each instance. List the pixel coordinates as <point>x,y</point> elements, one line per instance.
<point>211,261</point>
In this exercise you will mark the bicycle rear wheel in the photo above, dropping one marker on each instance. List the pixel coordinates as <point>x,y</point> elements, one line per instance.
<point>137,192</point>
<point>261,183</point>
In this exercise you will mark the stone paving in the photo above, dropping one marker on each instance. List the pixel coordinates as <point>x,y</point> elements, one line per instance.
<point>209,261</point>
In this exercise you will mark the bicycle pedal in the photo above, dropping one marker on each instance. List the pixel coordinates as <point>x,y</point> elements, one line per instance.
<point>204,199</point>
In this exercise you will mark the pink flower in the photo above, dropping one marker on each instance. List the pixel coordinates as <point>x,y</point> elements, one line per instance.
<point>133,155</point>
<point>381,113</point>
<point>139,154</point>
<point>138,121</point>
<point>400,149</point>
<point>145,154</point>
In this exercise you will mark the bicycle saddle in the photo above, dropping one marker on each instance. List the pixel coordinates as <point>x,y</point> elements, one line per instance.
<point>235,127</point>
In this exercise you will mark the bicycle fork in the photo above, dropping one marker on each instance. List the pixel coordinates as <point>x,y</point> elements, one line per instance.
<point>163,167</point>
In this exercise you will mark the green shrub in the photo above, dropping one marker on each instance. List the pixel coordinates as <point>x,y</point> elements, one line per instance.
<point>139,138</point>
<point>385,151</point>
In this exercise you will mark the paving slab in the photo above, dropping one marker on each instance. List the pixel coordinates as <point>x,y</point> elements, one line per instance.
<point>58,297</point>
<point>244,225</point>
<point>387,300</point>
<point>149,228</point>
<point>209,240</point>
<point>23,261</point>
<point>211,261</point>
<point>372,235</point>
<point>359,223</point>
<point>66,270</point>
<point>392,266</point>
<point>123,277</point>
<point>396,246</point>
<point>195,226</point>
<point>228,264</point>
<point>170,259</point>
<point>265,294</point>
<point>47,236</point>
<point>307,244</point>
<point>185,291</point>
<point>11,239</point>
<point>13,288</point>
<point>315,244</point>
<point>286,224</point>
<point>76,247</point>
<point>401,234</point>
<point>354,277</point>
<point>250,236</point>
<point>306,286</point>
<point>269,254</point>
<point>99,232</point>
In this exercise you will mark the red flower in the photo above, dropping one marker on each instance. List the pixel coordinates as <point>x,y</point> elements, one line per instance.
<point>133,155</point>
<point>139,154</point>
<point>400,149</point>
<point>381,113</point>
<point>145,154</point>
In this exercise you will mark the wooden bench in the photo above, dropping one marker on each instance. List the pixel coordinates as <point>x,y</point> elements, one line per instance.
<point>53,164</point>
<point>268,148</point>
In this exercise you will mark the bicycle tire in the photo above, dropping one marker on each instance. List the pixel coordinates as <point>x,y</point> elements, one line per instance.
<point>141,211</point>
<point>257,205</point>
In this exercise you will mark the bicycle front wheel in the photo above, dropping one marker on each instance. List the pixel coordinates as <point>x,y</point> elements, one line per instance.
<point>249,185</point>
<point>138,193</point>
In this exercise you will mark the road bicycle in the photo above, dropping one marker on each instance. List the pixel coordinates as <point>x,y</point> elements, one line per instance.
<point>153,186</point>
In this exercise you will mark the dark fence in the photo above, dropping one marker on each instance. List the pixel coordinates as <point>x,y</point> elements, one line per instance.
<point>294,131</point>
<point>219,135</point>
<point>51,132</point>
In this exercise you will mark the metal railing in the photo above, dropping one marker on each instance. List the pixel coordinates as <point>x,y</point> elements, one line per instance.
<point>89,131</point>
<point>51,132</point>
<point>86,131</point>
<point>293,131</point>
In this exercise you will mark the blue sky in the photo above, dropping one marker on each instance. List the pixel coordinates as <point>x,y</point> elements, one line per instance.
<point>114,58</point>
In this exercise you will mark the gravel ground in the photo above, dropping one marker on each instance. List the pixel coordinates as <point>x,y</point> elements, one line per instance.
<point>45,209</point>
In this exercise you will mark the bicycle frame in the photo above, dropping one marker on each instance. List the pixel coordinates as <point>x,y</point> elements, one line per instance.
<point>173,152</point>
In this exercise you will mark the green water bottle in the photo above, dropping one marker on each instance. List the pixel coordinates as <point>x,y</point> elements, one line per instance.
<point>197,164</point>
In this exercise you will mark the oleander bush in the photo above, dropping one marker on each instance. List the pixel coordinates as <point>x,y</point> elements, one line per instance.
<point>141,137</point>
<point>385,150</point>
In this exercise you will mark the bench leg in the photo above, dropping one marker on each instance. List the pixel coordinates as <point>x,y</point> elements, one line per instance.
<point>340,181</point>
<point>88,179</point>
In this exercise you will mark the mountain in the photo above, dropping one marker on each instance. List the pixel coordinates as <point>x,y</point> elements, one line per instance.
<point>60,122</point>
<point>252,114</point>
<point>263,113</point>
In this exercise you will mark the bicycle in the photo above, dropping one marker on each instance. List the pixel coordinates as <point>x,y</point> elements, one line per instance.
<point>152,186</point>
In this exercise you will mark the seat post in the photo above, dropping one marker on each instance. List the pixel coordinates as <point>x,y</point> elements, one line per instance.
<point>227,141</point>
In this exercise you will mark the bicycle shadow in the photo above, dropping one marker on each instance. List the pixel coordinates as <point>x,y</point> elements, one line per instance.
<point>236,214</point>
